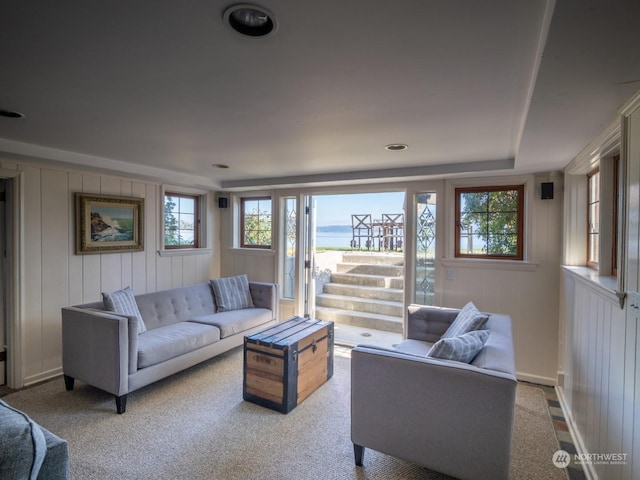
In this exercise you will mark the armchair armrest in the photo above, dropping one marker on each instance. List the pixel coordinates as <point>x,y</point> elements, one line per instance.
<point>265,295</point>
<point>99,348</point>
<point>432,412</point>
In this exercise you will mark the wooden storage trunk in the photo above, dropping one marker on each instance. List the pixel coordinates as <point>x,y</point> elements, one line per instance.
<point>284,364</point>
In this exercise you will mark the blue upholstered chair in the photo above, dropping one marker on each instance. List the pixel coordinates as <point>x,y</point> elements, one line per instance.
<point>29,451</point>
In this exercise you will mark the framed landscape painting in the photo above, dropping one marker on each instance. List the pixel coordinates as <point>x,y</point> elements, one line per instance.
<point>109,224</point>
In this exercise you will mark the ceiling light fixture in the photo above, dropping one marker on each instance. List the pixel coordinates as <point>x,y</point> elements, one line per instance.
<point>220,165</point>
<point>10,114</point>
<point>396,147</point>
<point>250,20</point>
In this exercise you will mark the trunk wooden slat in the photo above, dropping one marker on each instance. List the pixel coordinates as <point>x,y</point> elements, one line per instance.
<point>286,363</point>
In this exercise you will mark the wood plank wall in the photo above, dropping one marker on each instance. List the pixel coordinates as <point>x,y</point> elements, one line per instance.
<point>600,362</point>
<point>54,276</point>
<point>598,379</point>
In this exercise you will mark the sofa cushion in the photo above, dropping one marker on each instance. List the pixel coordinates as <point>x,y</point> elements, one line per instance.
<point>164,343</point>
<point>461,349</point>
<point>468,319</point>
<point>413,347</point>
<point>236,321</point>
<point>123,302</point>
<point>22,444</point>
<point>232,293</point>
<point>176,305</point>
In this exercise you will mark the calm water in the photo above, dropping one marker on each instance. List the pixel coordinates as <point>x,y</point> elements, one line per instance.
<point>333,239</point>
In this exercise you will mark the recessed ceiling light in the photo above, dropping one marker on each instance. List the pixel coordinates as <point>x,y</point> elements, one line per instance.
<point>10,114</point>
<point>220,165</point>
<point>250,20</point>
<point>395,147</point>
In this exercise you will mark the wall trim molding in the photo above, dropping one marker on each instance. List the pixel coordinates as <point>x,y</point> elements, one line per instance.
<point>599,284</point>
<point>42,377</point>
<point>603,145</point>
<point>537,379</point>
<point>575,433</point>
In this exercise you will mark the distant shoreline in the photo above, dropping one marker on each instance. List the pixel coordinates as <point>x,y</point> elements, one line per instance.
<point>334,229</point>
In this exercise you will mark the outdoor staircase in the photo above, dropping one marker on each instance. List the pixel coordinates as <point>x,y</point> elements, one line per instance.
<point>366,290</point>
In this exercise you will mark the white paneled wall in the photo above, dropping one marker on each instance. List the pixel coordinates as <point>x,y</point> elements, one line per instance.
<point>530,297</point>
<point>599,358</point>
<point>54,276</point>
<point>601,375</point>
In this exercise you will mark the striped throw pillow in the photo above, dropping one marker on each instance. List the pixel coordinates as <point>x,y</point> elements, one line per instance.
<point>232,293</point>
<point>123,302</point>
<point>468,319</point>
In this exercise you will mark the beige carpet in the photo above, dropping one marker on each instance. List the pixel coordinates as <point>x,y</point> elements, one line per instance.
<point>195,425</point>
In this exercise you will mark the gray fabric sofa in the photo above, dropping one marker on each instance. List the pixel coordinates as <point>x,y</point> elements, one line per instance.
<point>448,416</point>
<point>183,328</point>
<point>28,450</point>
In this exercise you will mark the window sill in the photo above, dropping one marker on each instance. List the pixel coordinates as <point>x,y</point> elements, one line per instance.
<point>604,285</point>
<point>490,263</point>
<point>261,252</point>
<point>184,252</point>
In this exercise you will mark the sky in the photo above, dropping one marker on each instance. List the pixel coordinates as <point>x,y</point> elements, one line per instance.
<point>337,209</point>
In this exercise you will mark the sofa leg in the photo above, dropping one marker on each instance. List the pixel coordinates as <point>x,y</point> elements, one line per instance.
<point>68,382</point>
<point>358,452</point>
<point>121,403</point>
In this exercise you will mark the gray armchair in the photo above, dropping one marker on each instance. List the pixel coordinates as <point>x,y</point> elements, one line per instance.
<point>28,450</point>
<point>448,416</point>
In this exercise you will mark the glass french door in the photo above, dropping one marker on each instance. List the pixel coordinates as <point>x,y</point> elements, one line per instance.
<point>425,248</point>
<point>310,257</point>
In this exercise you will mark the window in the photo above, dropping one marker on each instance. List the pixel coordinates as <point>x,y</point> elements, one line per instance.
<point>181,221</point>
<point>593,219</point>
<point>290,239</point>
<point>616,194</point>
<point>255,221</point>
<point>425,265</point>
<point>489,222</point>
<point>602,216</point>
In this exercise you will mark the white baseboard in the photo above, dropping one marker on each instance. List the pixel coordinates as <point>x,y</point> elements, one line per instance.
<point>42,376</point>
<point>548,381</point>
<point>589,473</point>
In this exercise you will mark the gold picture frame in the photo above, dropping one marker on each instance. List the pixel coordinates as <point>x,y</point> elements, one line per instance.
<point>109,224</point>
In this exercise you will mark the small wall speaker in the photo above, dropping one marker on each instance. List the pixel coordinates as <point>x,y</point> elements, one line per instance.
<point>546,191</point>
<point>223,202</point>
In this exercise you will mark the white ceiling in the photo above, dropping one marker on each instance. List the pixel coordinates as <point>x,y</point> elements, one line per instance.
<point>164,89</point>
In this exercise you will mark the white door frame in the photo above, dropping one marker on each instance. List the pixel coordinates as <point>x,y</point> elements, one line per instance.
<point>309,256</point>
<point>15,287</point>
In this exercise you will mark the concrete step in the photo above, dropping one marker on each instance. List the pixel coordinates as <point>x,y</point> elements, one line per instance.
<point>351,336</point>
<point>367,280</point>
<point>387,323</point>
<point>370,305</point>
<point>380,293</point>
<point>384,270</point>
<point>373,258</point>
